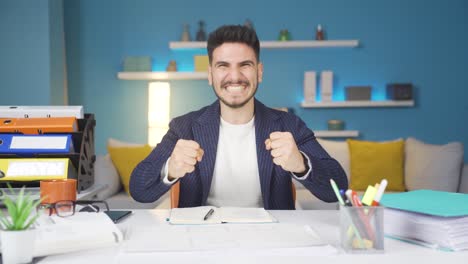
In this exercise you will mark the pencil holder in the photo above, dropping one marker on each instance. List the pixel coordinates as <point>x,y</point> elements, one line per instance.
<point>362,229</point>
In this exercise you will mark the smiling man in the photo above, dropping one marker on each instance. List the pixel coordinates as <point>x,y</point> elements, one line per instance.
<point>237,151</point>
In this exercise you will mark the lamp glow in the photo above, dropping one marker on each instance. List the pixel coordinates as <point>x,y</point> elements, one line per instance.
<point>158,111</point>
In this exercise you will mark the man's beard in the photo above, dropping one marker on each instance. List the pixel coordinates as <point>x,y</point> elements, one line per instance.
<point>235,105</point>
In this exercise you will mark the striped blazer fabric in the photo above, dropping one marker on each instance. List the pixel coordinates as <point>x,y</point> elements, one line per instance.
<point>202,126</point>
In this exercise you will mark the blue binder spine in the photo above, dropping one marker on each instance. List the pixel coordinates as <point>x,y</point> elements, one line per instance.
<point>29,145</point>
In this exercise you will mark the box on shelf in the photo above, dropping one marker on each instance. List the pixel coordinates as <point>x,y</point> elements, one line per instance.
<point>136,64</point>
<point>82,158</point>
<point>201,63</point>
<point>310,86</point>
<point>326,85</point>
<point>358,93</point>
<point>399,91</point>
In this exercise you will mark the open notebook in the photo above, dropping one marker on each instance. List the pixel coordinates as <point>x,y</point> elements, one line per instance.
<point>196,215</point>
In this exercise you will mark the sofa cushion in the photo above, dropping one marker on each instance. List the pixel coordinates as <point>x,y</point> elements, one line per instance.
<point>115,143</point>
<point>126,159</point>
<point>463,188</point>
<point>434,167</point>
<point>338,150</point>
<point>106,174</point>
<point>373,161</point>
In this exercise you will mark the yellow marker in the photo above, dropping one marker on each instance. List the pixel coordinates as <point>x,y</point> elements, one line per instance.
<point>369,195</point>
<point>367,244</point>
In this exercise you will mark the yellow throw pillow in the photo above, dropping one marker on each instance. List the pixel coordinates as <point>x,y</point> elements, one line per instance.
<point>125,159</point>
<point>373,161</point>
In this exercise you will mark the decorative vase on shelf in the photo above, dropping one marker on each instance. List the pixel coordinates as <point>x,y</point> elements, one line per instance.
<point>284,35</point>
<point>248,23</point>
<point>335,125</point>
<point>186,34</point>
<point>201,34</point>
<point>171,66</point>
<point>319,34</point>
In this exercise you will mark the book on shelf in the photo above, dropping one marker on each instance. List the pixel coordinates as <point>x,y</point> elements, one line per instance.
<point>430,218</point>
<point>213,215</point>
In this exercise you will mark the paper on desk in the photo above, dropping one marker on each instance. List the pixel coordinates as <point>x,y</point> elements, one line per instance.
<point>189,238</point>
<point>81,231</point>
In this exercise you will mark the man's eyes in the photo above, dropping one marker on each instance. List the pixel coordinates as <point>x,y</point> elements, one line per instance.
<point>244,66</point>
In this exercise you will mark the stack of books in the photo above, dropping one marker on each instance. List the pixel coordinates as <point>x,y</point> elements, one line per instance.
<point>430,218</point>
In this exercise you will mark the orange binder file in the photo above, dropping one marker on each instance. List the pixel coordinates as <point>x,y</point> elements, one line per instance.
<point>38,125</point>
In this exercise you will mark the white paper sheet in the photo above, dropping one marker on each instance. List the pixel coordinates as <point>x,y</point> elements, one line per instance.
<point>229,236</point>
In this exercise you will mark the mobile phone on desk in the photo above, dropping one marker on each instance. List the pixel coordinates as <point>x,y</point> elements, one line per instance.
<point>117,216</point>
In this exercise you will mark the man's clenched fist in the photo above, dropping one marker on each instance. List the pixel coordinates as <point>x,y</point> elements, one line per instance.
<point>185,155</point>
<point>285,153</point>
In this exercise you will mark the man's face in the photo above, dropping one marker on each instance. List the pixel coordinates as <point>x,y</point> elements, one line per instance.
<point>234,73</point>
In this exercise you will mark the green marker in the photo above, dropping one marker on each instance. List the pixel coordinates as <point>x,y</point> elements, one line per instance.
<point>337,192</point>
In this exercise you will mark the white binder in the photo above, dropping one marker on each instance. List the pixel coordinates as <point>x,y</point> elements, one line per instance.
<point>42,111</point>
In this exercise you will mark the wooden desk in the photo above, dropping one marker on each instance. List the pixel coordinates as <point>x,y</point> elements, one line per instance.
<point>325,222</point>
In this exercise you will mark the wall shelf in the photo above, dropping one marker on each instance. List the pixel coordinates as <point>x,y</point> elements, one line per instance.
<point>162,76</point>
<point>275,44</point>
<point>340,104</point>
<point>336,133</point>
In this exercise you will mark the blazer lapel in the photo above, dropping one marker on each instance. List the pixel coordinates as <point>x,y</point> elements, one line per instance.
<point>206,133</point>
<point>264,126</point>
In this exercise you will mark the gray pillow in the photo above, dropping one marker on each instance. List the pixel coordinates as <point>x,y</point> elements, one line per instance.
<point>105,173</point>
<point>434,167</point>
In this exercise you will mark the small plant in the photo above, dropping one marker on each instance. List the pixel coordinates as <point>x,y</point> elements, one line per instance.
<point>20,210</point>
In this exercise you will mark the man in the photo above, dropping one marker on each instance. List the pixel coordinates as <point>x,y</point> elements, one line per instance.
<point>237,151</point>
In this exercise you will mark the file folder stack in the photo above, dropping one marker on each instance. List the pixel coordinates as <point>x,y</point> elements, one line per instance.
<point>431,218</point>
<point>46,142</point>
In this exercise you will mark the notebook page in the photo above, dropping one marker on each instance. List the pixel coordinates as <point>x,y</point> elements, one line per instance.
<point>194,216</point>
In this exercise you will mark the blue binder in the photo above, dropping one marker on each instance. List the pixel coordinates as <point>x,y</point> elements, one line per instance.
<point>28,145</point>
<point>438,203</point>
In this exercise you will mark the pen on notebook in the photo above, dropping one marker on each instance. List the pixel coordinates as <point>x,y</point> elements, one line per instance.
<point>210,212</point>
<point>379,193</point>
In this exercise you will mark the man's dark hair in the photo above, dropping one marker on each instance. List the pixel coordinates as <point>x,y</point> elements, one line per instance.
<point>233,34</point>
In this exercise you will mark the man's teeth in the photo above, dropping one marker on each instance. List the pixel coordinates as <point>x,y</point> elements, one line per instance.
<point>234,88</point>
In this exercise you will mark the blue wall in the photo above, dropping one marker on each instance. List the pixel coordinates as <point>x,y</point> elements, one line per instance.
<point>58,95</point>
<point>423,42</point>
<point>24,52</point>
<point>32,52</point>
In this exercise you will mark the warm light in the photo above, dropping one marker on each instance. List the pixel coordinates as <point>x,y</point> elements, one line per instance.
<point>158,111</point>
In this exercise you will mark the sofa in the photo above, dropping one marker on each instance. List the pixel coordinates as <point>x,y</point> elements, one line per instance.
<point>418,165</point>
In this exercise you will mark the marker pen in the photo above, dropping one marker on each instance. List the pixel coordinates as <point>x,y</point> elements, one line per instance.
<point>379,193</point>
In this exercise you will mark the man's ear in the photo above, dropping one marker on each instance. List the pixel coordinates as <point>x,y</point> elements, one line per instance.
<point>260,72</point>
<point>210,78</point>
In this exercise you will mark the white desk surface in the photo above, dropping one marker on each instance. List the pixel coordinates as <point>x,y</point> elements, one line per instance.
<point>325,222</point>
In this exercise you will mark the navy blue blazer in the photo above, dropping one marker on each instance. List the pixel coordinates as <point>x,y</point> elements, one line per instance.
<point>202,126</point>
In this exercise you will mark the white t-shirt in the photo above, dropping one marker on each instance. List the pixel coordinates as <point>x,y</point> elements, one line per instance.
<point>236,180</point>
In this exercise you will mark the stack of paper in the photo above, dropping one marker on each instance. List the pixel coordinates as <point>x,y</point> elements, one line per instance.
<point>81,231</point>
<point>210,237</point>
<point>431,218</point>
